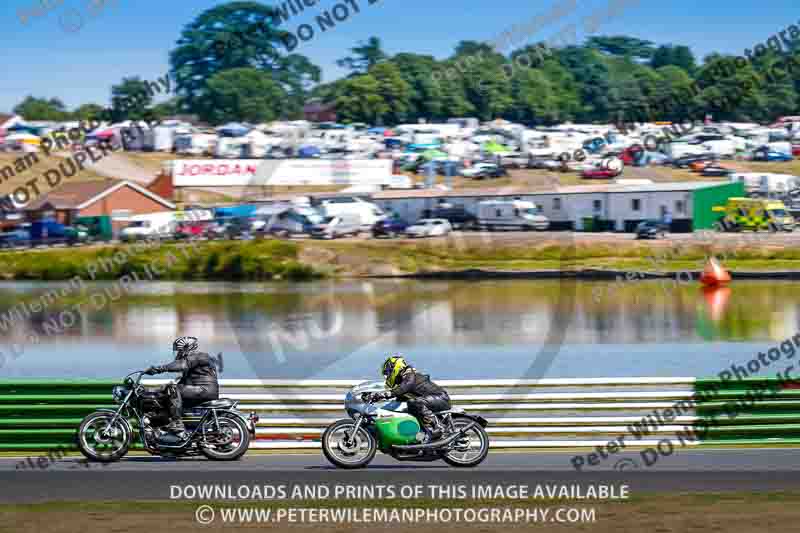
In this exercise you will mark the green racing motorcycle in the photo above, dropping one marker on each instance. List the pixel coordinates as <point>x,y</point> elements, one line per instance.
<point>387,426</point>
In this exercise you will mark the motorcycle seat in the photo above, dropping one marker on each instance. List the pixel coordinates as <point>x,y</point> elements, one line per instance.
<point>222,403</point>
<point>455,410</point>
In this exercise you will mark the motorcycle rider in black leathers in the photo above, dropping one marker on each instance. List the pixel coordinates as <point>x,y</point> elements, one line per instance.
<point>423,396</point>
<point>197,385</point>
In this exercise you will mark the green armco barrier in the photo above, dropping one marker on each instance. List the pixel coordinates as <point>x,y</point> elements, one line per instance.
<point>41,414</point>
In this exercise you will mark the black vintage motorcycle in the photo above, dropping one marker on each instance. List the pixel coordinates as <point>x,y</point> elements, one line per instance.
<point>214,429</point>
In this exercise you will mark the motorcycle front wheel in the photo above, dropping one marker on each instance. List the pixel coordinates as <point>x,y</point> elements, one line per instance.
<point>345,449</point>
<point>469,450</point>
<point>99,441</point>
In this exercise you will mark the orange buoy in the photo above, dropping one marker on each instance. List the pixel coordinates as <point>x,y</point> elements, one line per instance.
<point>717,299</point>
<point>714,275</point>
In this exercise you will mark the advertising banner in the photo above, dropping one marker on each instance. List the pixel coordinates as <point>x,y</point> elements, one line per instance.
<point>247,172</point>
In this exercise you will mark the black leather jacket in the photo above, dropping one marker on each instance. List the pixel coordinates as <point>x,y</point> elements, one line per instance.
<point>198,368</point>
<point>415,385</point>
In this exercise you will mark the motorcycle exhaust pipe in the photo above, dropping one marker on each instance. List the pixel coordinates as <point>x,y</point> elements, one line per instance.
<point>435,444</point>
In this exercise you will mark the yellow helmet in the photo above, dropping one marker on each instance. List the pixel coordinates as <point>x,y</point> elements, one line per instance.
<point>392,368</point>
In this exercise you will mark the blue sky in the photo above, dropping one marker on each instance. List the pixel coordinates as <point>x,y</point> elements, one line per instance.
<point>133,37</point>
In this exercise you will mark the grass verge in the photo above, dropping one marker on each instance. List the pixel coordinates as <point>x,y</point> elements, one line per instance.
<point>299,260</point>
<point>745,512</point>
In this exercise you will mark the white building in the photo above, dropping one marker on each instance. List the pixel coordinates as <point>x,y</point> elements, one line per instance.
<point>619,207</point>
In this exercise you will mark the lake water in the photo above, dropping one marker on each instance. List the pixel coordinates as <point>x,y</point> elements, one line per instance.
<point>452,329</point>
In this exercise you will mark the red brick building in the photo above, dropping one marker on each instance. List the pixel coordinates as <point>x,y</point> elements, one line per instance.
<point>118,199</point>
<point>316,111</point>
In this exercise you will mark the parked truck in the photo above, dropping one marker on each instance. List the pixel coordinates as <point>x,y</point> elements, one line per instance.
<point>513,214</point>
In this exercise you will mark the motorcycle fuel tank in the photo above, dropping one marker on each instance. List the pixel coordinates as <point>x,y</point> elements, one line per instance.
<point>399,428</point>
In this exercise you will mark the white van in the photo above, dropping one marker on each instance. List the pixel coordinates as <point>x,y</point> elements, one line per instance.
<point>511,214</point>
<point>339,226</point>
<point>153,225</point>
<point>368,212</point>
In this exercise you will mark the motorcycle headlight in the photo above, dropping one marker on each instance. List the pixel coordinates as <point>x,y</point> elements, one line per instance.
<point>118,393</point>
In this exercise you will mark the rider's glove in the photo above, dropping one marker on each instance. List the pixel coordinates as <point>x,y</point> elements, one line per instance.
<point>378,396</point>
<point>152,370</point>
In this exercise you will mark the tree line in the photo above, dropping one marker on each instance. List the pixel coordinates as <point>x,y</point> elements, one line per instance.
<point>221,76</point>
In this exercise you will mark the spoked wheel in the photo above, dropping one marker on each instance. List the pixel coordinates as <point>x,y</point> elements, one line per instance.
<point>347,449</point>
<point>99,441</point>
<point>225,440</point>
<point>470,449</point>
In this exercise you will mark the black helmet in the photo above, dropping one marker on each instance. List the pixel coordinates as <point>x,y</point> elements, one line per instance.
<point>183,346</point>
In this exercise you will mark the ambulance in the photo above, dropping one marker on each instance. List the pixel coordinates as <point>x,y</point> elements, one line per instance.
<point>754,214</point>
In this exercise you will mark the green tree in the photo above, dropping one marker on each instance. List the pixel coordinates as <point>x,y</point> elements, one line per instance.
<point>130,99</point>
<point>165,109</point>
<point>621,45</point>
<point>678,56</point>
<point>245,94</point>
<point>88,112</point>
<point>365,56</point>
<point>32,108</point>
<point>425,94</point>
<point>361,100</point>
<point>395,90</point>
<point>237,35</point>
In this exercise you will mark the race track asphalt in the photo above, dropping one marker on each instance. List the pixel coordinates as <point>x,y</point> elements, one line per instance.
<point>150,478</point>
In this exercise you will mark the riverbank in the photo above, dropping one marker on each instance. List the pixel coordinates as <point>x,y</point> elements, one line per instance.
<point>464,256</point>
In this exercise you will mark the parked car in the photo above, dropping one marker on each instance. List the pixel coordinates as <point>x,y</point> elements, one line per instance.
<point>228,228</point>
<point>429,227</point>
<point>17,236</point>
<point>484,170</point>
<point>458,217</point>
<point>651,229</point>
<point>697,166</point>
<point>716,171</point>
<point>285,221</point>
<point>600,173</point>
<point>685,161</point>
<point>546,164</point>
<point>190,230</point>
<point>764,154</point>
<point>338,226</point>
<point>52,232</point>
<point>389,227</point>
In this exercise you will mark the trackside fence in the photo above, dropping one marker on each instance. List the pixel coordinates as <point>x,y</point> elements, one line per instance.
<point>545,413</point>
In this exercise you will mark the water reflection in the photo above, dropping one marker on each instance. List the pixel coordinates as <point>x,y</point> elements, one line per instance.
<point>414,312</point>
<point>345,318</point>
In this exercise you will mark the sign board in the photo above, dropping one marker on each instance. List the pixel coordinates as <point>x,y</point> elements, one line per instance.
<point>286,172</point>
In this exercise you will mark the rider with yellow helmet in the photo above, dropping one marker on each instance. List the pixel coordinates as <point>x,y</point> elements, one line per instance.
<point>423,396</point>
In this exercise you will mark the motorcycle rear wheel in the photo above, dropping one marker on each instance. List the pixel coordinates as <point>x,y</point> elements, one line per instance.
<point>464,453</point>
<point>233,441</point>
<point>356,454</point>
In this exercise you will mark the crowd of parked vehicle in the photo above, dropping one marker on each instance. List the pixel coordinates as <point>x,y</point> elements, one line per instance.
<point>327,218</point>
